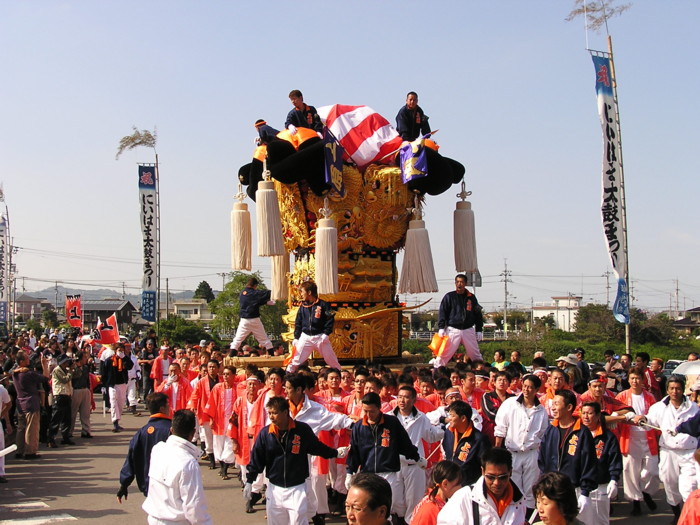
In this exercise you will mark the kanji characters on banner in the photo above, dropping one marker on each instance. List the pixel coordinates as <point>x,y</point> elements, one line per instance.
<point>333,155</point>
<point>4,271</point>
<point>74,310</point>
<point>612,193</point>
<point>106,332</point>
<point>149,230</point>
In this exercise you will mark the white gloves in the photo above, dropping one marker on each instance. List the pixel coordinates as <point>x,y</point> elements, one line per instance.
<point>348,479</point>
<point>120,354</point>
<point>672,432</point>
<point>422,463</point>
<point>583,503</point>
<point>248,491</point>
<point>480,336</point>
<point>441,332</point>
<point>171,379</point>
<point>343,452</point>
<point>612,489</point>
<point>270,303</point>
<point>292,129</point>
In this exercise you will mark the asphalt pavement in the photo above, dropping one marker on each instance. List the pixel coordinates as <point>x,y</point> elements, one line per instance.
<point>80,482</point>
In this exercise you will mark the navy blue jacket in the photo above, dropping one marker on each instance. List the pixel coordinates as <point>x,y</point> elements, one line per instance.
<point>307,118</point>
<point>267,133</point>
<point>466,453</point>
<point>286,459</point>
<point>576,459</point>
<point>314,319</point>
<point>607,450</point>
<point>110,373</point>
<point>691,427</point>
<point>376,448</point>
<point>138,459</point>
<point>460,311</point>
<point>411,124</point>
<point>251,300</point>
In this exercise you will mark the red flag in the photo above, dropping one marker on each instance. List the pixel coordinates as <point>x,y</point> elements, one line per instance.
<point>74,311</point>
<point>106,333</point>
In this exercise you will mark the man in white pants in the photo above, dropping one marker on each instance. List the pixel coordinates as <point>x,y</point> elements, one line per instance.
<point>115,375</point>
<point>132,396</point>
<point>639,447</point>
<point>312,328</point>
<point>461,320</point>
<point>251,299</point>
<point>319,418</point>
<point>521,421</point>
<point>419,429</point>
<point>676,462</point>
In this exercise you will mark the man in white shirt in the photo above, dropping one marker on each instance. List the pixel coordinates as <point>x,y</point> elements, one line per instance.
<point>676,462</point>
<point>175,489</point>
<point>521,421</point>
<point>418,428</point>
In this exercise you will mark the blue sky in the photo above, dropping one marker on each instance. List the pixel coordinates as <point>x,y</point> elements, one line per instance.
<point>509,84</point>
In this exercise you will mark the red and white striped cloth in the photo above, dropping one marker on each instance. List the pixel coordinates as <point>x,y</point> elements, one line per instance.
<point>366,135</point>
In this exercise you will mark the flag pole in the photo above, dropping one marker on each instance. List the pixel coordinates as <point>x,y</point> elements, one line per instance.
<point>158,247</point>
<point>623,200</point>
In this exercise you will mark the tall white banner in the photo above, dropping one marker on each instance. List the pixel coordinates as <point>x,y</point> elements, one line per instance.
<point>612,194</point>
<point>149,231</point>
<point>4,270</point>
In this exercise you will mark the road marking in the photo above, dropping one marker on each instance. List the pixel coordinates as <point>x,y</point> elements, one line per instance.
<point>30,505</point>
<point>40,521</point>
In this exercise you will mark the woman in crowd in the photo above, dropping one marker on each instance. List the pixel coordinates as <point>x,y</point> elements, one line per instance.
<point>445,481</point>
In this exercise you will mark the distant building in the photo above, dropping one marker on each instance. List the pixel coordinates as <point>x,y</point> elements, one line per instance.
<point>193,310</point>
<point>31,307</point>
<point>690,322</point>
<point>126,313</point>
<point>562,309</point>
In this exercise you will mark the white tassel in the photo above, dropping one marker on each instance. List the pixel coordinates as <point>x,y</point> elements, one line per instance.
<point>280,279</point>
<point>326,257</point>
<point>241,237</point>
<point>417,271</point>
<point>268,222</point>
<point>465,239</point>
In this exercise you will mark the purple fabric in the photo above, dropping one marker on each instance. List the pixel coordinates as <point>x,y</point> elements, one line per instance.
<point>27,386</point>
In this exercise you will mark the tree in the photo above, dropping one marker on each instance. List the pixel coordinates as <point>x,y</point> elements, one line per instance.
<point>597,12</point>
<point>204,291</point>
<point>182,331</point>
<point>227,308</point>
<point>50,318</point>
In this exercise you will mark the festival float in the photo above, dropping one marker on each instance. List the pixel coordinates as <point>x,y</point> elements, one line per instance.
<point>343,203</point>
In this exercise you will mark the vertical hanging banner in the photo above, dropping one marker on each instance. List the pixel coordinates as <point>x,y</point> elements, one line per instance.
<point>4,271</point>
<point>612,198</point>
<point>333,154</point>
<point>147,203</point>
<point>74,311</point>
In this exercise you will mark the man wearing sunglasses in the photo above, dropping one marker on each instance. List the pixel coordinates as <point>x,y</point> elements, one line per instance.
<point>498,499</point>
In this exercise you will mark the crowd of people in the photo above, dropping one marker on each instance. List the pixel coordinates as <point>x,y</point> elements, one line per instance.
<point>461,441</point>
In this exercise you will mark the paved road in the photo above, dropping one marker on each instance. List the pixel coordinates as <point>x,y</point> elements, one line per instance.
<point>80,482</point>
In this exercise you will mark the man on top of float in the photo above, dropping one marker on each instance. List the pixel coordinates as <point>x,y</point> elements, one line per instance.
<point>303,115</point>
<point>462,321</point>
<point>411,122</point>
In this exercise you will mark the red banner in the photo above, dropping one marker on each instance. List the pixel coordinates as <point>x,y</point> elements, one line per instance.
<point>106,332</point>
<point>74,311</point>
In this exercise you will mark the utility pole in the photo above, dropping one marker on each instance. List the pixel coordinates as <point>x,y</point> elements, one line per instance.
<point>677,304</point>
<point>506,280</point>
<point>167,298</point>
<point>223,279</point>
<point>607,275</point>
<point>56,302</point>
<point>123,290</point>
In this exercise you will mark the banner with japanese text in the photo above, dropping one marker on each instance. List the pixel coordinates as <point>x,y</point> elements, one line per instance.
<point>106,331</point>
<point>612,190</point>
<point>4,271</point>
<point>149,231</point>
<point>74,311</point>
<point>333,155</point>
